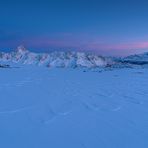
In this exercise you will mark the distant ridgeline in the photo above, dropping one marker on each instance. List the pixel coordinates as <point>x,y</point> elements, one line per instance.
<point>69,59</point>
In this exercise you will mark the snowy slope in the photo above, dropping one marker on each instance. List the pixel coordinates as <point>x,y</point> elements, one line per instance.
<point>69,108</point>
<point>55,59</point>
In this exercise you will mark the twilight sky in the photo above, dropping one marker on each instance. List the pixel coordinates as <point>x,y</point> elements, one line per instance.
<point>108,27</point>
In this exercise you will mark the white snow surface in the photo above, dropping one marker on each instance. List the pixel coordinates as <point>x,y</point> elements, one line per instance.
<point>70,108</point>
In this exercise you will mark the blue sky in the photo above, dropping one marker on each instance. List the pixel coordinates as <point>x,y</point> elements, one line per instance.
<point>102,26</point>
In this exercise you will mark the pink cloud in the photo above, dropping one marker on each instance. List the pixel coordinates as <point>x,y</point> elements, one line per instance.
<point>69,41</point>
<point>118,46</point>
<point>86,44</point>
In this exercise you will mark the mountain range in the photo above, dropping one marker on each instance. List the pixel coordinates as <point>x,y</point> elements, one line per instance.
<point>70,59</point>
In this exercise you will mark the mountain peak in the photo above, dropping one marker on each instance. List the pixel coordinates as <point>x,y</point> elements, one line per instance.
<point>21,49</point>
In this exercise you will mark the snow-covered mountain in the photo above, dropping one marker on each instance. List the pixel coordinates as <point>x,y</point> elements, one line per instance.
<point>137,59</point>
<point>132,61</point>
<point>71,59</point>
<point>55,59</point>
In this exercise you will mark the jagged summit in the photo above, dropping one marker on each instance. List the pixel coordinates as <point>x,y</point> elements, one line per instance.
<point>21,49</point>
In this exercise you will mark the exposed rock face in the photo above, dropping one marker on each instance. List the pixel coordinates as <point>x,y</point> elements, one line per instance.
<point>4,66</point>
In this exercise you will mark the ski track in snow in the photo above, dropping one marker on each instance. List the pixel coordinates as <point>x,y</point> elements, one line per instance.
<point>70,108</point>
<point>14,111</point>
